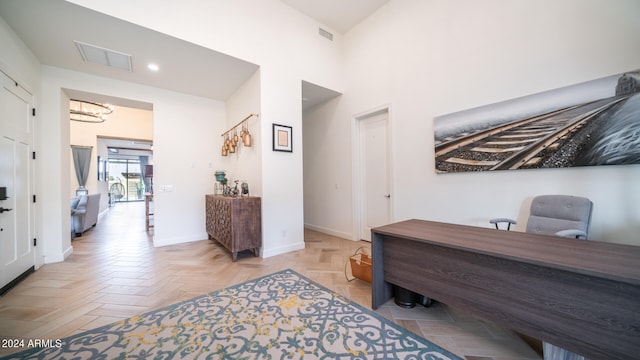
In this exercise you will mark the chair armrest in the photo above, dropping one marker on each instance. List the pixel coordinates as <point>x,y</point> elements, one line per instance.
<point>578,234</point>
<point>497,221</point>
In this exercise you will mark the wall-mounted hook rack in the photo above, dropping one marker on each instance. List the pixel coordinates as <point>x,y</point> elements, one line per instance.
<point>231,139</point>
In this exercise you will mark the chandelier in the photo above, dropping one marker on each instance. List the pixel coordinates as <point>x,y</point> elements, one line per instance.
<point>87,111</point>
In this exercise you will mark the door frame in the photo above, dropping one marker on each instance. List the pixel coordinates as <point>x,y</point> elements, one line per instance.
<point>357,163</point>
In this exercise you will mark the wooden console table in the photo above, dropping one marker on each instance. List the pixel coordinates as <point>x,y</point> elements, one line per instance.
<point>235,222</point>
<point>578,294</point>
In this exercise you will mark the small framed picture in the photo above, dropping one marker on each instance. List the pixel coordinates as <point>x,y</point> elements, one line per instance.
<point>282,140</point>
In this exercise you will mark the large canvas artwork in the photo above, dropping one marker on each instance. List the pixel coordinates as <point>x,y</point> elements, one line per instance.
<point>592,123</point>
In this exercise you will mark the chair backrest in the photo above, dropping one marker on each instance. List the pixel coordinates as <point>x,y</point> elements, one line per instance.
<point>553,213</point>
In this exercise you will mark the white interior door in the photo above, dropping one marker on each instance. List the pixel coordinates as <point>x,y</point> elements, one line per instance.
<point>16,247</point>
<point>375,207</point>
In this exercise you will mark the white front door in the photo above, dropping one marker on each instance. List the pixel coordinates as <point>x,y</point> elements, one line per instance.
<point>16,210</point>
<point>375,207</point>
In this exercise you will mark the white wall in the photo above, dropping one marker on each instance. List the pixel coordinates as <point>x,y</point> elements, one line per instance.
<point>429,58</point>
<point>17,59</point>
<point>282,200</point>
<point>245,164</point>
<point>327,170</point>
<point>182,152</point>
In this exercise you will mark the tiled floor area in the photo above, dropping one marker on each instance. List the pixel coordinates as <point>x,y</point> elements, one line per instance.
<point>115,272</point>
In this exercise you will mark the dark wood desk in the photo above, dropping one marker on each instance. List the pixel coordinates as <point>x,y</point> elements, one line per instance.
<point>581,295</point>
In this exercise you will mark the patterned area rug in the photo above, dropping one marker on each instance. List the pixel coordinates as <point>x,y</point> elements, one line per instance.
<point>279,316</point>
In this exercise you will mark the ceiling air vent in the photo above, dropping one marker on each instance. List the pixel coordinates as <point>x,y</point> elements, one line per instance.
<point>98,55</point>
<point>325,33</point>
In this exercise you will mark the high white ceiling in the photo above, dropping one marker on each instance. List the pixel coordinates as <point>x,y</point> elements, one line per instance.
<point>49,28</point>
<point>339,15</point>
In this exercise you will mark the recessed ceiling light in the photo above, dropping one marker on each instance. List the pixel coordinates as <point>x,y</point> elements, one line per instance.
<point>153,67</point>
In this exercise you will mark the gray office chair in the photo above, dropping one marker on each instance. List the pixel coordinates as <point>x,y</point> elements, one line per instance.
<point>559,215</point>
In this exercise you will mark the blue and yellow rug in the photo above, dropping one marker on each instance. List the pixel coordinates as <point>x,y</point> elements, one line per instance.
<point>279,316</point>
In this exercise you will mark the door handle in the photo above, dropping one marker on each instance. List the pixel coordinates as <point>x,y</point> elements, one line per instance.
<point>3,210</point>
<point>387,196</point>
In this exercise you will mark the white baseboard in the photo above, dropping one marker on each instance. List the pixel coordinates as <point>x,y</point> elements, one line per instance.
<point>67,252</point>
<point>331,232</point>
<point>282,250</point>
<point>58,257</point>
<point>158,242</point>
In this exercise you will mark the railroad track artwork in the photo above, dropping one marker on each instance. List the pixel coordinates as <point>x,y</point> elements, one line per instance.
<point>525,143</point>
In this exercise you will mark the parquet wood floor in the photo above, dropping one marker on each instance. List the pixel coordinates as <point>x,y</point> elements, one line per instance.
<point>115,273</point>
